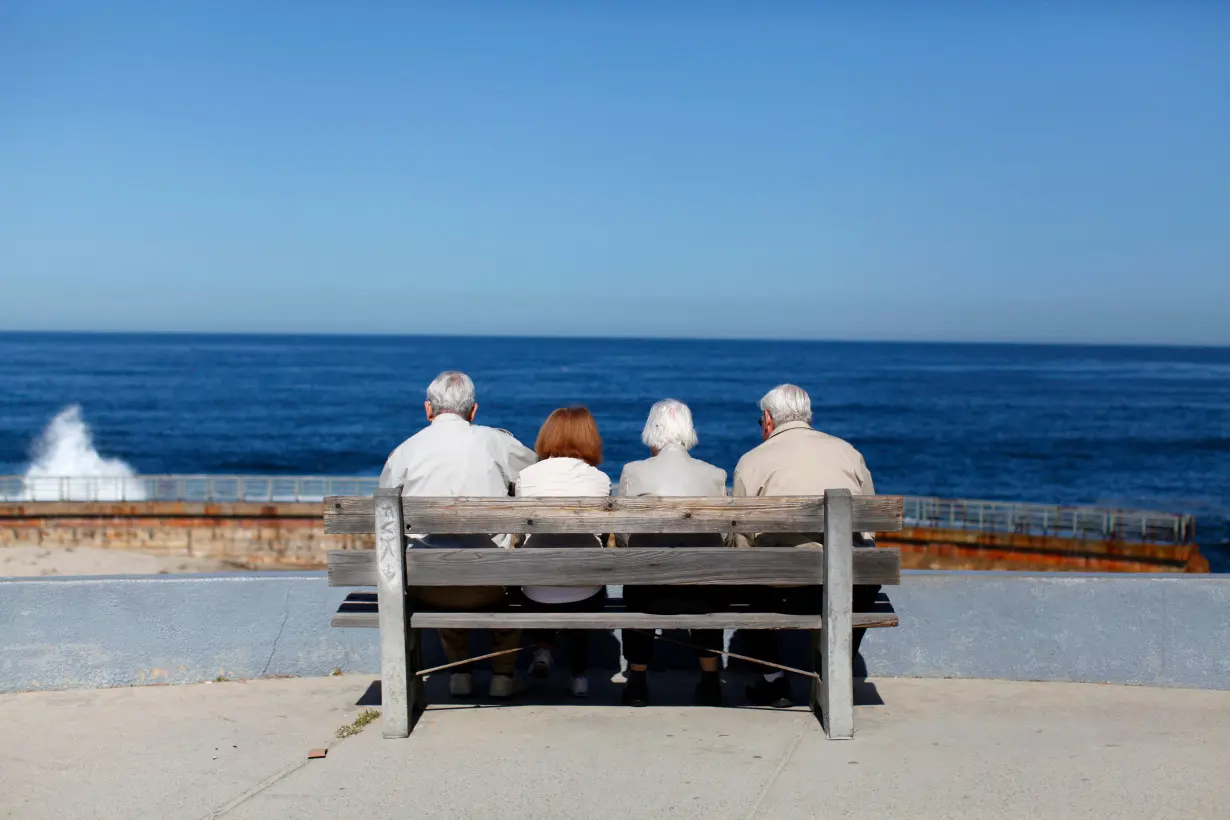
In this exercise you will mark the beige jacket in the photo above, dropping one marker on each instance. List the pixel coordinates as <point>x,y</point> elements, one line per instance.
<point>797,460</point>
<point>672,472</point>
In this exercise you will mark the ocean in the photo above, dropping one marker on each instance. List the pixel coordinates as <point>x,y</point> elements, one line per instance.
<point>1141,427</point>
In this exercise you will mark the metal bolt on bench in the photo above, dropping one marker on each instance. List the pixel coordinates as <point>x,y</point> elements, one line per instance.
<point>392,566</point>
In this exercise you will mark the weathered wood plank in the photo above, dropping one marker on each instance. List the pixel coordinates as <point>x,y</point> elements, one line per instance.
<point>360,614</point>
<point>395,649</point>
<point>358,569</point>
<point>632,620</point>
<point>582,567</point>
<point>645,514</point>
<point>836,686</point>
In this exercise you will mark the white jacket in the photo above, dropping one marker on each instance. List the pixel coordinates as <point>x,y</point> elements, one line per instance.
<point>453,458</point>
<point>562,478</point>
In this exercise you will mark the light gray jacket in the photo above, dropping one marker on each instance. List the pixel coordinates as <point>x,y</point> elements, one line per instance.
<point>672,472</point>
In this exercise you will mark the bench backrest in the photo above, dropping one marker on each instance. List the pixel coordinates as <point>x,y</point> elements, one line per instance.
<point>642,514</point>
<point>838,515</point>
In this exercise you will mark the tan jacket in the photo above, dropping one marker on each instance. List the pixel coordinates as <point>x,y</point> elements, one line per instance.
<point>797,460</point>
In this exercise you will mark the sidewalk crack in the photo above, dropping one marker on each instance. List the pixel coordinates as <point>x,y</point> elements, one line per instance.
<point>281,628</point>
<point>768,786</point>
<point>227,807</point>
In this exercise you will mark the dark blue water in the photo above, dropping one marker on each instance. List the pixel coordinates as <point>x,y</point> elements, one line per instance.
<point>1116,426</point>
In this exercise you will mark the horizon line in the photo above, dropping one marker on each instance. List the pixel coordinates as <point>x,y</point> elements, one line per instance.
<point>631,338</point>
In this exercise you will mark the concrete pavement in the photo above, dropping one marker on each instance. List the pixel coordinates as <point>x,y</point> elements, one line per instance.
<point>924,749</point>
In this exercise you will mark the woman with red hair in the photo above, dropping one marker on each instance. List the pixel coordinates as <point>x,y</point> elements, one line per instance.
<point>570,450</point>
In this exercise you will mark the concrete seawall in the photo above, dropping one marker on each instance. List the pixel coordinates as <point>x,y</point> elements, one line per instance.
<point>243,534</point>
<point>290,535</point>
<point>1154,630</point>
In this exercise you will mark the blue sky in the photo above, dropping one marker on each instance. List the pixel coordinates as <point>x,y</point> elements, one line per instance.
<point>1015,172</point>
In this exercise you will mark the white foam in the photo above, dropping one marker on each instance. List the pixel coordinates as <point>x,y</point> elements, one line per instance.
<point>66,467</point>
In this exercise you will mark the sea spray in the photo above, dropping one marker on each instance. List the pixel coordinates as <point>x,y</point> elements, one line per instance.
<point>65,466</point>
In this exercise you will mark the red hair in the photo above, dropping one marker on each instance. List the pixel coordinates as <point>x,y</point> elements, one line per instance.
<point>570,432</point>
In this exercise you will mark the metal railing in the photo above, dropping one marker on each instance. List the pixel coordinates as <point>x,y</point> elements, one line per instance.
<point>202,488</point>
<point>1081,523</point>
<point>1084,523</point>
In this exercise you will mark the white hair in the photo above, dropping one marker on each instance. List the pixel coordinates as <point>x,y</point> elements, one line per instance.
<point>787,402</point>
<point>451,392</point>
<point>669,422</point>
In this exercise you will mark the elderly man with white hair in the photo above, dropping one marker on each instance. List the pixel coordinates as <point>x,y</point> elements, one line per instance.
<point>452,456</point>
<point>795,459</point>
<point>672,471</point>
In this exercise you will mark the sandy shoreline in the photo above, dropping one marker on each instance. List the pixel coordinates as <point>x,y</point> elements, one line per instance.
<point>32,560</point>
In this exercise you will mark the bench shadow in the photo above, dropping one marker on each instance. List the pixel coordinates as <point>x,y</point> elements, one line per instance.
<point>672,678</point>
<point>866,693</point>
<point>371,696</point>
<point>667,688</point>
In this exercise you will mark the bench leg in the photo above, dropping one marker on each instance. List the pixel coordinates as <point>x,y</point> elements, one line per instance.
<point>417,696</point>
<point>836,690</point>
<point>397,680</point>
<point>395,638</point>
<point>817,652</point>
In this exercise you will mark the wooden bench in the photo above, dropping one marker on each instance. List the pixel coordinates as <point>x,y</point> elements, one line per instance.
<point>391,567</point>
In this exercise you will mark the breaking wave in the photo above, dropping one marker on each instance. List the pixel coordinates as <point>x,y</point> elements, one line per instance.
<point>65,466</point>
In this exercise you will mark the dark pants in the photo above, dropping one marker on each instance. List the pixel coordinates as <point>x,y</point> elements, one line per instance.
<point>456,642</point>
<point>638,644</point>
<point>576,641</point>
<point>765,644</point>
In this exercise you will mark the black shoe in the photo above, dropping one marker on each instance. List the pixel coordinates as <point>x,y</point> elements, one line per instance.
<point>709,690</point>
<point>636,691</point>
<point>775,693</point>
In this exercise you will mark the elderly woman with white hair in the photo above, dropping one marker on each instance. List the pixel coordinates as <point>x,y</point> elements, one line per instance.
<point>671,471</point>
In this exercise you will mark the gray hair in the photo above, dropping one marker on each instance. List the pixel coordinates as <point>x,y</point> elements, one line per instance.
<point>787,402</point>
<point>451,392</point>
<point>669,422</point>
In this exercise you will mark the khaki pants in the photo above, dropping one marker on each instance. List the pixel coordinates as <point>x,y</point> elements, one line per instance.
<point>457,641</point>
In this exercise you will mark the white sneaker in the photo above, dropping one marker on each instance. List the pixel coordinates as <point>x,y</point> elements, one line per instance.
<point>505,686</point>
<point>461,684</point>
<point>540,667</point>
<point>580,686</point>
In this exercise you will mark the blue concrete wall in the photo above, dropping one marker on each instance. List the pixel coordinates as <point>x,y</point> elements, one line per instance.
<point>1162,630</point>
<point>1155,630</point>
<point>69,632</point>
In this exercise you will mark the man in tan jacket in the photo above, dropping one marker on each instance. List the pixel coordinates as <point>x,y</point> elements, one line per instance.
<point>795,460</point>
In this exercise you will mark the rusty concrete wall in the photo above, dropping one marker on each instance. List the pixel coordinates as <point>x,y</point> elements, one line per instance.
<point>246,535</point>
<point>291,536</point>
<point>944,549</point>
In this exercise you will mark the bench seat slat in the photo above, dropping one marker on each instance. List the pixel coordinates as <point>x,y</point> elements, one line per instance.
<point>584,567</point>
<point>359,610</point>
<point>644,514</point>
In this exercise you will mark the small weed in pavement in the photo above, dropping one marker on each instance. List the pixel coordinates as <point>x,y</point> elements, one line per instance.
<point>365,717</point>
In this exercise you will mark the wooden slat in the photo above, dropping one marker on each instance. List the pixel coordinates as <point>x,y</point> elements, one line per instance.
<point>631,620</point>
<point>628,620</point>
<point>352,568</point>
<point>583,567</point>
<point>645,514</point>
<point>361,613</point>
